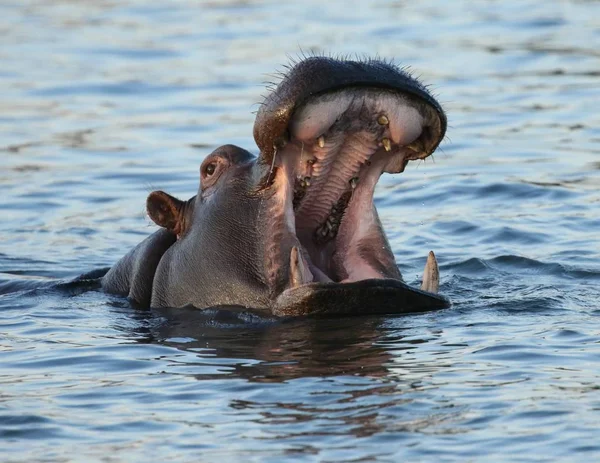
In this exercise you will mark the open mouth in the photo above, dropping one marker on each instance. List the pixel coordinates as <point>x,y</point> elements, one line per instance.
<point>326,134</point>
<point>340,143</point>
<point>326,162</point>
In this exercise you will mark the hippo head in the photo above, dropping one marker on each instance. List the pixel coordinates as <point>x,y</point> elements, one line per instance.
<point>295,231</point>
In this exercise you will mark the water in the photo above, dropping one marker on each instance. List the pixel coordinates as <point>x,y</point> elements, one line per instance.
<point>102,102</point>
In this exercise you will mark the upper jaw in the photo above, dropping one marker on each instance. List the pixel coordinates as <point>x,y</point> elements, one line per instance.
<point>404,126</point>
<point>316,77</point>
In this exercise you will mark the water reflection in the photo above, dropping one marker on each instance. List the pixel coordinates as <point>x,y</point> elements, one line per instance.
<point>342,376</point>
<point>280,350</point>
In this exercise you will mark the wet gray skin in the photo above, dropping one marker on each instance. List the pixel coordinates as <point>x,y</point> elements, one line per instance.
<point>295,231</point>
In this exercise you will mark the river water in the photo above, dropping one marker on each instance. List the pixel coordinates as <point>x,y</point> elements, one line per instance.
<point>102,102</point>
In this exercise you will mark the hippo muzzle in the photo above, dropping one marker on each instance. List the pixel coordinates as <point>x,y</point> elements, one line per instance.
<point>295,231</point>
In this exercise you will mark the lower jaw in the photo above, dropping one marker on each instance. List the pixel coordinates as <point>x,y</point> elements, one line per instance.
<point>365,297</point>
<point>369,296</point>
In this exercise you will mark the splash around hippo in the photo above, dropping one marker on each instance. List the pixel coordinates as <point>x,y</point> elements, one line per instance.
<point>295,230</point>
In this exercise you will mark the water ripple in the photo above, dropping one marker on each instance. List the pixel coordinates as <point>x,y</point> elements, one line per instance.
<point>106,101</point>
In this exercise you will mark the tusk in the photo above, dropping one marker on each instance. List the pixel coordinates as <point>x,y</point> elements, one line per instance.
<point>299,271</point>
<point>387,144</point>
<point>431,275</point>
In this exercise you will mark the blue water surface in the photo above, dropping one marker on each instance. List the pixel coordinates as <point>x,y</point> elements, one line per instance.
<point>102,102</point>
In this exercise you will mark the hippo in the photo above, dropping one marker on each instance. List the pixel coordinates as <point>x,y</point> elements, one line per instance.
<point>294,231</point>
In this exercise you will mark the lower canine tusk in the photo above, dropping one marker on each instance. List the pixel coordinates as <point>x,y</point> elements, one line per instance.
<point>431,275</point>
<point>299,271</point>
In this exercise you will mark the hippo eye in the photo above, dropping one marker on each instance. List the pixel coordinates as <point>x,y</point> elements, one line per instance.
<point>210,169</point>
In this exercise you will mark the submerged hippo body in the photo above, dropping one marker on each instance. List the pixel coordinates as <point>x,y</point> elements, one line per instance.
<point>295,231</point>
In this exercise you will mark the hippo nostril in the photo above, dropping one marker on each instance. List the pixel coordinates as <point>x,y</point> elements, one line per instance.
<point>419,147</point>
<point>427,138</point>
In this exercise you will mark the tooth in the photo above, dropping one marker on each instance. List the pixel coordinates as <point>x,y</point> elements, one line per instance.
<point>383,120</point>
<point>306,181</point>
<point>299,271</point>
<point>431,275</point>
<point>387,144</point>
<point>353,182</point>
<point>321,141</point>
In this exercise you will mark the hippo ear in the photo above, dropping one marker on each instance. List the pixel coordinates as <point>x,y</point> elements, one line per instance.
<point>165,210</point>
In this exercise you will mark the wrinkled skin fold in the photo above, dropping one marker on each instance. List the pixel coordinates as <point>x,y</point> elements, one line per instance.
<point>295,231</point>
